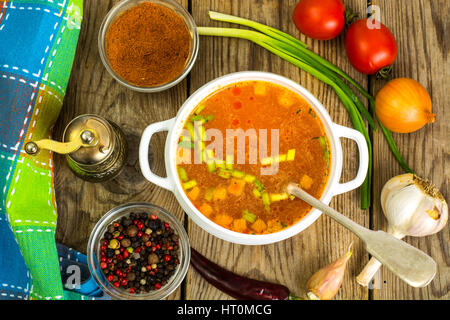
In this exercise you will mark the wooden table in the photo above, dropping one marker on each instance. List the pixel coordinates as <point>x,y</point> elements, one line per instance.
<point>419,27</point>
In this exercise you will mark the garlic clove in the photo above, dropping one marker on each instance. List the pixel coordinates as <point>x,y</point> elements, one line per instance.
<point>325,283</point>
<point>398,206</point>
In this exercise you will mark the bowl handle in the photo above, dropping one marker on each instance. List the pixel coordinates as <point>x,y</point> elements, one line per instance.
<point>165,183</point>
<point>344,132</point>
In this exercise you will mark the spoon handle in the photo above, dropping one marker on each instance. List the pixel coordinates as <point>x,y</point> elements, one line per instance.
<point>407,262</point>
<point>341,219</point>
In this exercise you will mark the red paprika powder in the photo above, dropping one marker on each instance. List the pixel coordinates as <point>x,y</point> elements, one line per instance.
<point>148,45</point>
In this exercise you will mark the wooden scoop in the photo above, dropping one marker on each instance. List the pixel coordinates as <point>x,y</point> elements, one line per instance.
<point>407,262</point>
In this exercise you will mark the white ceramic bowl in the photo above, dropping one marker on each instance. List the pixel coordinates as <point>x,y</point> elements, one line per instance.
<point>174,127</point>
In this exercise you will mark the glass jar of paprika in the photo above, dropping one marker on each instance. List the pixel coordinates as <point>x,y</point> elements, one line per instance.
<point>148,46</point>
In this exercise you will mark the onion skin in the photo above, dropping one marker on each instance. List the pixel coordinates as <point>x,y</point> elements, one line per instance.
<point>403,105</point>
<point>325,283</point>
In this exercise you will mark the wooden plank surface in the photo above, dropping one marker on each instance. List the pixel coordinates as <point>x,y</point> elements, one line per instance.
<point>92,90</point>
<point>421,29</point>
<point>291,262</point>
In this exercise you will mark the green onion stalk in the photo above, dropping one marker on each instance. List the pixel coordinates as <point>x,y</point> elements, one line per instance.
<point>294,51</point>
<point>288,39</point>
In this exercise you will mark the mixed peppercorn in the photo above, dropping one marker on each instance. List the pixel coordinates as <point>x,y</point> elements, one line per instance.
<point>139,253</point>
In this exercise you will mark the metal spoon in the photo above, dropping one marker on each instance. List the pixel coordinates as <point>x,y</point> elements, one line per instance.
<point>407,262</point>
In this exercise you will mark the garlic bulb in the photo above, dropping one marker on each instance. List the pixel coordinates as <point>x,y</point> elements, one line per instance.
<point>413,207</point>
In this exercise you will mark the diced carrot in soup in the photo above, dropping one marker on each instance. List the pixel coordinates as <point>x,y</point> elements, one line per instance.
<point>236,187</point>
<point>194,193</point>
<point>260,89</point>
<point>239,225</point>
<point>206,209</point>
<point>209,194</point>
<point>274,225</point>
<point>239,196</point>
<point>286,100</point>
<point>219,194</point>
<point>259,226</point>
<point>223,220</point>
<point>306,182</point>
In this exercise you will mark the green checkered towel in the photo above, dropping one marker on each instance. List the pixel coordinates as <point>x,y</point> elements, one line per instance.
<point>38,40</point>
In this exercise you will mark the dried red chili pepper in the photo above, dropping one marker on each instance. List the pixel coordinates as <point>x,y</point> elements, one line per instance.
<point>238,287</point>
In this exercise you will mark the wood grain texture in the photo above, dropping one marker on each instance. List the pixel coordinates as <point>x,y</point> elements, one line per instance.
<point>91,89</point>
<point>290,262</point>
<point>421,29</point>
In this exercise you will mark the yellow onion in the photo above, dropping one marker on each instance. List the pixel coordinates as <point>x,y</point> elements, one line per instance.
<point>325,283</point>
<point>403,105</point>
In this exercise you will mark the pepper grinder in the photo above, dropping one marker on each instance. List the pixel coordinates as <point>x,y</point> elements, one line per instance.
<point>95,148</point>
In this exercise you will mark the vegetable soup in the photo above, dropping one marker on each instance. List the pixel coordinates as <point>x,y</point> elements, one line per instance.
<point>247,196</point>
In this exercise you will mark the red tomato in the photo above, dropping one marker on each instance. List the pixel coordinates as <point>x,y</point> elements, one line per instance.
<point>321,20</point>
<point>370,49</point>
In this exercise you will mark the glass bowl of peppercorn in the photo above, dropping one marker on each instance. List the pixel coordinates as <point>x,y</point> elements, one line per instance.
<point>148,45</point>
<point>138,251</point>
